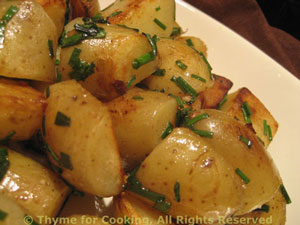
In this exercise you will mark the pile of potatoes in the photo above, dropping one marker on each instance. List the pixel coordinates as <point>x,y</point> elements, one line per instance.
<point>119,103</point>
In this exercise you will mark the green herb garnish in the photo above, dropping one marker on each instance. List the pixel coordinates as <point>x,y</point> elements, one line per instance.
<point>160,24</point>
<point>246,112</point>
<point>123,25</point>
<point>246,141</point>
<point>178,100</point>
<point>43,126</point>
<point>167,130</point>
<point>162,206</point>
<point>65,161</point>
<point>189,42</point>
<point>114,14</point>
<point>181,65</point>
<point>264,208</point>
<point>58,76</point>
<point>4,21</point>
<point>198,78</point>
<point>285,194</point>
<point>261,141</point>
<point>131,81</point>
<point>191,122</point>
<point>177,191</point>
<point>203,133</point>
<point>176,31</point>
<point>157,8</point>
<point>137,98</point>
<point>3,215</point>
<point>62,120</point>
<point>242,175</point>
<point>6,140</point>
<point>268,130</point>
<point>81,69</point>
<point>4,163</point>
<point>159,72</point>
<point>71,40</point>
<point>51,51</point>
<point>221,103</point>
<point>184,86</point>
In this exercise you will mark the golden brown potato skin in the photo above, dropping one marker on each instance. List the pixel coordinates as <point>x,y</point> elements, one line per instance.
<point>83,8</point>
<point>56,10</point>
<point>136,120</point>
<point>208,185</point>
<point>197,42</point>
<point>259,112</point>
<point>140,14</point>
<point>34,187</point>
<point>113,57</point>
<point>89,141</point>
<point>254,162</point>
<point>25,53</point>
<point>170,51</point>
<point>21,109</point>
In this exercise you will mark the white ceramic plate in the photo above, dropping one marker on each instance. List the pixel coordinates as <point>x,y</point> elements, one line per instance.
<point>232,56</point>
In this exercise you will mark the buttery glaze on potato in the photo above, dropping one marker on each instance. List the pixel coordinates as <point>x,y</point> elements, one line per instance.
<point>141,14</point>
<point>89,140</point>
<point>25,52</point>
<point>171,51</point>
<point>21,109</point>
<point>113,57</point>
<point>35,188</point>
<point>254,162</point>
<point>126,205</point>
<point>139,119</point>
<point>209,186</point>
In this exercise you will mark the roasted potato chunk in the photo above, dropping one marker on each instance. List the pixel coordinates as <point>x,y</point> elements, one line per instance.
<point>25,51</point>
<point>21,110</point>
<point>83,8</point>
<point>259,113</point>
<point>127,205</point>
<point>211,97</point>
<point>241,148</point>
<point>35,188</point>
<point>208,185</point>
<point>195,42</point>
<point>112,56</point>
<point>79,129</point>
<point>172,53</point>
<point>138,115</point>
<point>56,10</point>
<point>149,16</point>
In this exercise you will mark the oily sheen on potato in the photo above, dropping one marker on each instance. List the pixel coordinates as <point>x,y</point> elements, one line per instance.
<point>35,188</point>
<point>25,51</point>
<point>79,130</point>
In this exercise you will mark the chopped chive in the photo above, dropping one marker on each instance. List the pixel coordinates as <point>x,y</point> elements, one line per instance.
<point>221,103</point>
<point>3,215</point>
<point>264,208</point>
<point>178,99</point>
<point>159,72</point>
<point>189,42</point>
<point>137,98</point>
<point>160,24</point>
<point>153,196</point>
<point>4,162</point>
<point>198,78</point>
<point>142,60</point>
<point>51,152</point>
<point>270,133</point>
<point>162,206</point>
<point>123,25</point>
<point>62,120</point>
<point>285,194</point>
<point>261,141</point>
<point>157,8</point>
<point>58,76</point>
<point>4,20</point>
<point>246,141</point>
<point>98,18</point>
<point>114,14</point>
<point>242,175</point>
<point>206,61</point>
<point>177,191</point>
<point>203,133</point>
<point>67,13</point>
<point>6,140</point>
<point>43,126</point>
<point>167,130</point>
<point>57,62</point>
<point>246,112</point>
<point>152,41</point>
<point>176,31</point>
<point>184,86</point>
<point>71,40</point>
<point>265,128</point>
<point>162,90</point>
<point>65,161</point>
<point>131,81</point>
<point>51,51</point>
<point>48,92</point>
<point>181,65</point>
<point>191,122</point>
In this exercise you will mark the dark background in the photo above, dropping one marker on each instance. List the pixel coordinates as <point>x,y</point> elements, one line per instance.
<point>283,14</point>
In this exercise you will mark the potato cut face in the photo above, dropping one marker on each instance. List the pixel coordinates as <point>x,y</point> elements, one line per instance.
<point>241,148</point>
<point>139,119</point>
<point>208,185</point>
<point>112,56</point>
<point>25,52</point>
<point>21,110</point>
<point>149,16</point>
<point>35,188</point>
<point>85,139</point>
<point>259,113</point>
<point>180,60</point>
